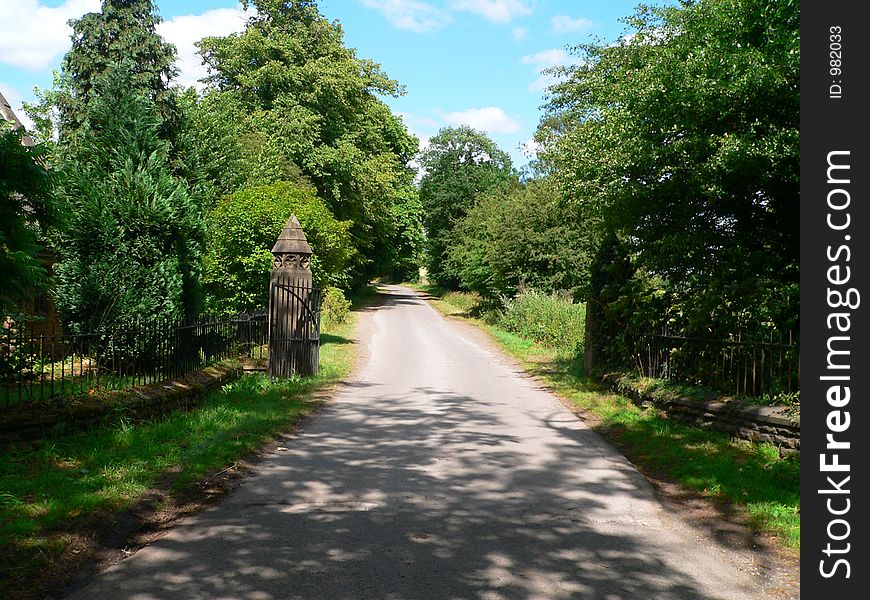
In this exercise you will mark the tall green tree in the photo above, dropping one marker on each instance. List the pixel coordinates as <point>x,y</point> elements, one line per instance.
<point>25,212</point>
<point>123,31</point>
<point>226,150</point>
<point>131,241</point>
<point>682,140</point>
<point>309,101</point>
<point>460,165</point>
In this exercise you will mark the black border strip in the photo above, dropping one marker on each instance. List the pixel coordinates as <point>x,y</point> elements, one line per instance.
<point>835,225</point>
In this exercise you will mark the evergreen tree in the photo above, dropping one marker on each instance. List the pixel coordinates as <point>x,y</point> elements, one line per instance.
<point>130,246</point>
<point>123,30</point>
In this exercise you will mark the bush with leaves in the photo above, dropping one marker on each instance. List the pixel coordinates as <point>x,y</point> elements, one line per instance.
<point>553,320</point>
<point>26,210</point>
<point>243,228</point>
<point>517,235</point>
<point>335,308</point>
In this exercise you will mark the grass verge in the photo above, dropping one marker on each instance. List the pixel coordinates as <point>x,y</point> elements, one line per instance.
<point>53,495</point>
<point>748,477</point>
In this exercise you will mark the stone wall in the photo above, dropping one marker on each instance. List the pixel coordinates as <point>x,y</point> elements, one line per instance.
<point>757,423</point>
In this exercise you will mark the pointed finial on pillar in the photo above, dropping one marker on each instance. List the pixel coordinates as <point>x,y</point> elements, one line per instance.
<point>291,251</point>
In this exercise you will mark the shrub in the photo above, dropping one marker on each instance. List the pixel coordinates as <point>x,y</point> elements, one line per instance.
<point>553,320</point>
<point>244,226</point>
<point>335,308</point>
<point>518,236</point>
<point>12,357</point>
<point>25,207</point>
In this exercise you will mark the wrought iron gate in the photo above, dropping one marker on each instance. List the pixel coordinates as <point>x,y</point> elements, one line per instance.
<point>294,327</point>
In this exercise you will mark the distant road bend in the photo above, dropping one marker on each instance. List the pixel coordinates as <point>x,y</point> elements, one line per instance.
<point>438,472</point>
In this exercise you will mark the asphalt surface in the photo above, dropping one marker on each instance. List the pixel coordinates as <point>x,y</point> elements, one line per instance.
<point>438,472</point>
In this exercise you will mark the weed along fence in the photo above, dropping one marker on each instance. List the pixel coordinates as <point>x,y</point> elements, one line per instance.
<point>37,366</point>
<point>739,365</point>
<point>40,366</point>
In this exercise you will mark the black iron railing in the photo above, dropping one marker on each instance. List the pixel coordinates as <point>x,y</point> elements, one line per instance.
<point>737,365</point>
<point>39,365</point>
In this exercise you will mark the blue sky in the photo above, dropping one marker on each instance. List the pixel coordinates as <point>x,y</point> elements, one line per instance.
<point>472,62</point>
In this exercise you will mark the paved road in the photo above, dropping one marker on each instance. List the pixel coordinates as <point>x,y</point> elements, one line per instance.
<point>438,472</point>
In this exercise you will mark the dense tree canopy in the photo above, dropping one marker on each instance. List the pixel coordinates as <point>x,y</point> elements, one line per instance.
<point>515,236</point>
<point>122,31</point>
<point>460,164</point>
<point>682,140</point>
<point>309,101</point>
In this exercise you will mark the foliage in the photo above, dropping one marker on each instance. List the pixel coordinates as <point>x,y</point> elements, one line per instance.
<point>13,358</point>
<point>335,309</point>
<point>243,228</point>
<point>681,140</point>
<point>130,244</point>
<point>552,320</point>
<point>517,235</point>
<point>26,209</point>
<point>226,149</point>
<point>624,299</point>
<point>460,165</point>
<point>677,150</point>
<point>407,240</point>
<point>307,100</point>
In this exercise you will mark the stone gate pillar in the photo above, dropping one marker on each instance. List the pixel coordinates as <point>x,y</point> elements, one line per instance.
<point>294,306</point>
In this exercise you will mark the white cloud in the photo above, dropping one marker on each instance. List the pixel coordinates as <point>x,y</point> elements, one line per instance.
<point>543,81</point>
<point>530,148</point>
<point>14,98</point>
<point>565,24</point>
<point>32,36</point>
<point>497,11</point>
<point>548,58</point>
<point>411,15</point>
<point>520,33</point>
<point>185,30</point>
<point>491,119</point>
<point>418,122</point>
<point>544,60</point>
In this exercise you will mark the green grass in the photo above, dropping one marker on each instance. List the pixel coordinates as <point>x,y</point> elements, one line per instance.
<point>663,389</point>
<point>749,477</point>
<point>109,468</point>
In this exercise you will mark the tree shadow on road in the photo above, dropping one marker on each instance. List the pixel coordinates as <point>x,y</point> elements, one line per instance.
<point>393,498</point>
